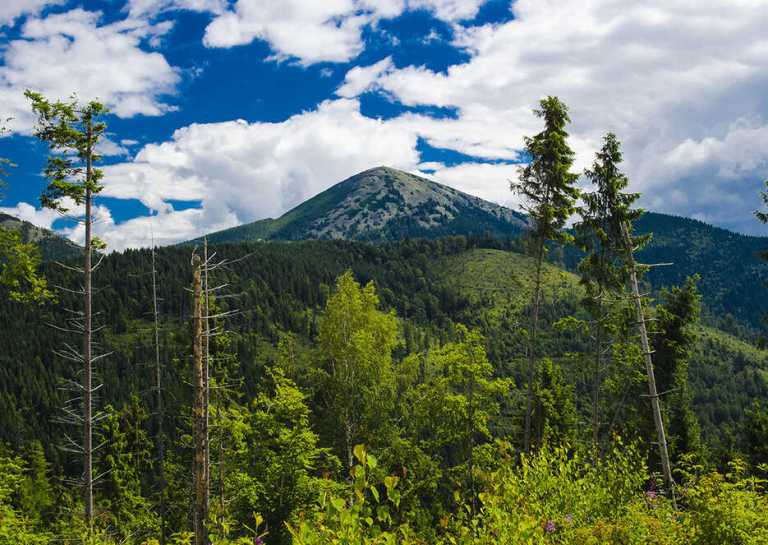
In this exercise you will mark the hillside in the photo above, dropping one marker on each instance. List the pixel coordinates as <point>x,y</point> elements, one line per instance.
<point>383,204</point>
<point>52,246</point>
<point>729,263</point>
<point>283,286</point>
<point>726,373</point>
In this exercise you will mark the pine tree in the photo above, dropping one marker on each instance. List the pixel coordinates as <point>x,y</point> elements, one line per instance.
<point>603,270</point>
<point>72,132</point>
<point>547,185</point>
<point>674,339</point>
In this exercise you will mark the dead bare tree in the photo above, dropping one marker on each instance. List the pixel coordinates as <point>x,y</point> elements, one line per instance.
<point>158,391</point>
<point>199,413</point>
<point>647,356</point>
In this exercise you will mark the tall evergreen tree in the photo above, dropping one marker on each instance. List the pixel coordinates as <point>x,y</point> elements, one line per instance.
<point>72,132</point>
<point>674,339</point>
<point>548,188</point>
<point>603,270</point>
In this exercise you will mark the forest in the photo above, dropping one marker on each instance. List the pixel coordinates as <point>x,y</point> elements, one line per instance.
<point>557,387</point>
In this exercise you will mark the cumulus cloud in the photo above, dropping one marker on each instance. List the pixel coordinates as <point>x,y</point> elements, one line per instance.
<point>489,181</point>
<point>240,172</point>
<point>312,32</point>
<point>72,52</point>
<point>669,77</point>
<point>10,10</point>
<point>360,79</point>
<point>40,217</point>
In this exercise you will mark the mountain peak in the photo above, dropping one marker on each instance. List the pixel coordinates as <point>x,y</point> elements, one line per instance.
<point>383,203</point>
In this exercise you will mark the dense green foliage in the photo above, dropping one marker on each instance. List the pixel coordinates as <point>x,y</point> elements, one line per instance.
<point>435,413</point>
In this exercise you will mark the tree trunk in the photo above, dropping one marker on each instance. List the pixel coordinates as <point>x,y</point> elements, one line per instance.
<point>200,507</point>
<point>532,346</point>
<point>160,439</point>
<point>87,341</point>
<point>596,386</point>
<point>206,374</point>
<point>646,347</point>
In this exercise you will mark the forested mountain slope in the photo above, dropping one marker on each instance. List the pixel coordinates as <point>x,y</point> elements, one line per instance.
<point>283,285</point>
<point>52,246</point>
<point>383,204</point>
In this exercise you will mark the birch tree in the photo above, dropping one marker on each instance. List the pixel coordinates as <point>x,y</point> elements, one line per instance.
<point>356,342</point>
<point>72,132</point>
<point>547,186</point>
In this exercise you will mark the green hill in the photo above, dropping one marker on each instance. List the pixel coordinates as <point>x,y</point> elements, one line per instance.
<point>283,286</point>
<point>52,246</point>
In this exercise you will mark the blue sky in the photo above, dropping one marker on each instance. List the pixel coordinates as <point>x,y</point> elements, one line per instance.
<point>228,111</point>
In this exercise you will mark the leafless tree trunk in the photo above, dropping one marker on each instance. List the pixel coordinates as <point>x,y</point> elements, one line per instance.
<point>596,384</point>
<point>160,439</point>
<point>199,420</point>
<point>646,347</point>
<point>87,339</point>
<point>207,372</point>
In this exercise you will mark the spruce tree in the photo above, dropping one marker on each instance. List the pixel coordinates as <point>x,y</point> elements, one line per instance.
<point>603,270</point>
<point>72,132</point>
<point>675,335</point>
<point>548,188</point>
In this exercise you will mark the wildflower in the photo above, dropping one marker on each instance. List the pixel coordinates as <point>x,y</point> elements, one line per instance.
<point>650,494</point>
<point>549,527</point>
<point>569,518</point>
<point>258,541</point>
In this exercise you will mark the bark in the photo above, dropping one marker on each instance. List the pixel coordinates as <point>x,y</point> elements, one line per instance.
<point>160,439</point>
<point>596,386</point>
<point>200,507</point>
<point>87,340</point>
<point>532,344</point>
<point>646,347</point>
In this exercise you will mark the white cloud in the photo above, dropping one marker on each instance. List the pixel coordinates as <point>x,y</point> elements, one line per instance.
<point>489,181</point>
<point>669,77</point>
<point>41,217</point>
<point>70,52</point>
<point>138,8</point>
<point>10,10</point>
<point>361,78</point>
<point>318,31</point>
<point>449,10</point>
<point>241,172</point>
<point>109,148</point>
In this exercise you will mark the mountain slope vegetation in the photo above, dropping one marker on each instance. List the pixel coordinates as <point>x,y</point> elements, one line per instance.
<point>383,204</point>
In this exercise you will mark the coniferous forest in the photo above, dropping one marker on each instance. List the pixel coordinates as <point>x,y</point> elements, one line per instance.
<point>555,385</point>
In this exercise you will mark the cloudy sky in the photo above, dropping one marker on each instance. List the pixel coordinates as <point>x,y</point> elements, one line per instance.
<point>229,111</point>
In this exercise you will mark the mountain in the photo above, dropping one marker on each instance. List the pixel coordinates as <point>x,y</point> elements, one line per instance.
<point>52,246</point>
<point>387,204</point>
<point>734,278</point>
<point>383,204</point>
